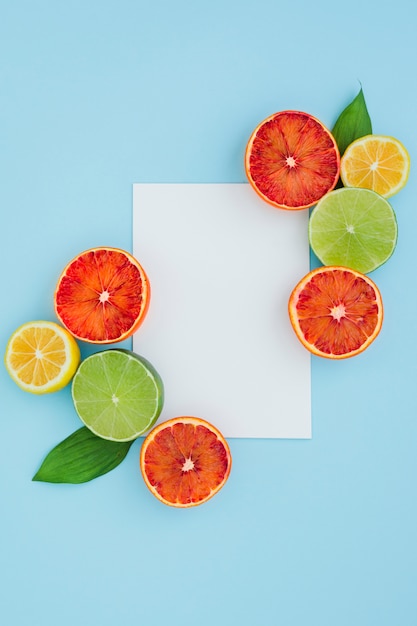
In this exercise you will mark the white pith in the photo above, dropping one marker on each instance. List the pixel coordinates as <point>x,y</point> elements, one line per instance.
<point>188,465</point>
<point>337,312</point>
<point>104,296</point>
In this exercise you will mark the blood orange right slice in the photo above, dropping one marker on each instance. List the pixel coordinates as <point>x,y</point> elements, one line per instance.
<point>292,160</point>
<point>185,461</point>
<point>102,295</point>
<point>336,312</point>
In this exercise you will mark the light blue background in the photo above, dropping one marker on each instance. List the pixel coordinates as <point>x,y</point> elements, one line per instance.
<point>97,95</point>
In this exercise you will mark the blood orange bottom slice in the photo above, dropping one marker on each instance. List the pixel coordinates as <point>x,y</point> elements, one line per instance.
<point>185,461</point>
<point>336,312</point>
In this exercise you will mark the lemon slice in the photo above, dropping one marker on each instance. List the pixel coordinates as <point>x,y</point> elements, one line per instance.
<point>41,357</point>
<point>376,162</point>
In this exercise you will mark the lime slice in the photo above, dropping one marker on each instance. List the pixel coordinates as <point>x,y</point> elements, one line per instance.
<point>355,228</point>
<point>117,394</point>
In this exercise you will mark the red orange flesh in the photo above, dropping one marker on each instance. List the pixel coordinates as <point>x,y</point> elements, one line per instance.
<point>102,295</point>
<point>185,461</point>
<point>336,312</point>
<point>292,160</point>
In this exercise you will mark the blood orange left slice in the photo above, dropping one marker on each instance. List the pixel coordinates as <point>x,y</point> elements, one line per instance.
<point>102,295</point>
<point>336,312</point>
<point>185,461</point>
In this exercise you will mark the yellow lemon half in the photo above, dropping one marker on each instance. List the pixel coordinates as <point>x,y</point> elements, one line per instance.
<point>41,357</point>
<point>376,162</point>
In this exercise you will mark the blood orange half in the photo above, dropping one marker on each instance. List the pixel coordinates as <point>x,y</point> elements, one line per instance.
<point>102,295</point>
<point>336,312</point>
<point>292,160</point>
<point>185,461</point>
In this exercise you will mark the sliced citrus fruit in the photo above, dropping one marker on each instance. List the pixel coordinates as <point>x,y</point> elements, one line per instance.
<point>336,312</point>
<point>102,295</point>
<point>117,394</point>
<point>376,162</point>
<point>41,357</point>
<point>356,228</point>
<point>185,461</point>
<point>292,160</point>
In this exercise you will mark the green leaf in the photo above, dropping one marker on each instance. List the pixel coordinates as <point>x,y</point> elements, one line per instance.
<point>352,123</point>
<point>81,457</point>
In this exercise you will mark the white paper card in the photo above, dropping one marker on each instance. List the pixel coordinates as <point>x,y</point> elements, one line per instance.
<point>222,264</point>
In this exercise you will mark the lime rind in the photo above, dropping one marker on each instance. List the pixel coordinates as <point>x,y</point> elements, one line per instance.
<point>117,394</point>
<point>353,227</point>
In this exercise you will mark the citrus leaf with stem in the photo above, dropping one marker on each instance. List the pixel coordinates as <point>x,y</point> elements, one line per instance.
<point>353,122</point>
<point>81,457</point>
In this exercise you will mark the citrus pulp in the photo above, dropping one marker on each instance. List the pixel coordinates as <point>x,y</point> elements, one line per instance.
<point>117,394</point>
<point>292,160</point>
<point>102,295</point>
<point>185,461</point>
<point>356,228</point>
<point>336,312</point>
<point>41,357</point>
<point>376,162</point>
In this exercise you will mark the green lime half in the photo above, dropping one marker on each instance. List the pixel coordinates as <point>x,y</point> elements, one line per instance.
<point>356,228</point>
<point>117,394</point>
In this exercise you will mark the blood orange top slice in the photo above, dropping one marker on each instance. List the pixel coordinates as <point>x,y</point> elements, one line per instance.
<point>102,295</point>
<point>336,312</point>
<point>185,461</point>
<point>292,160</point>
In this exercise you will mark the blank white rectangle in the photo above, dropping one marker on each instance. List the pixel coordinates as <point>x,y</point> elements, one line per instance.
<point>222,264</point>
